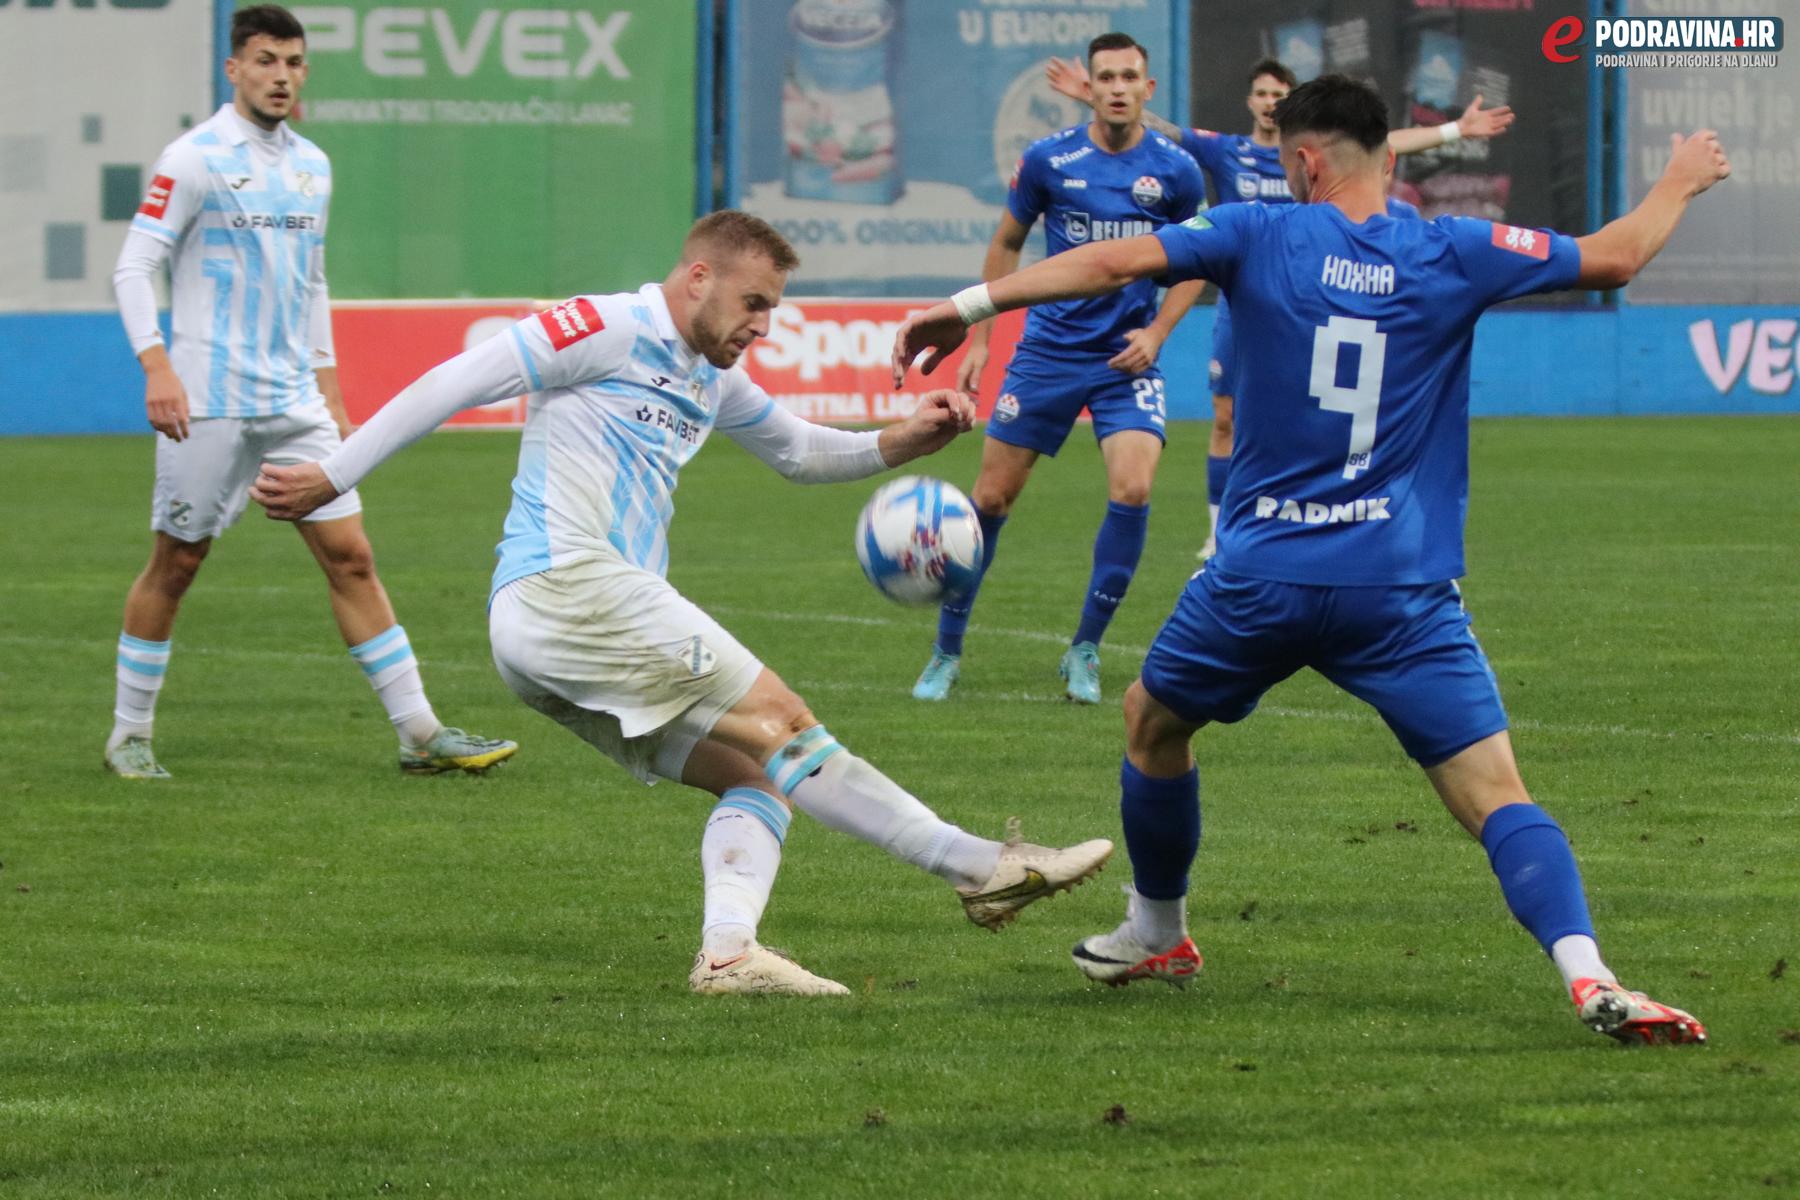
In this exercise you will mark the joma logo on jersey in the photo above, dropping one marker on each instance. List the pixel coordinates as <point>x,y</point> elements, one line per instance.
<point>534,43</point>
<point>1314,513</point>
<point>1079,227</point>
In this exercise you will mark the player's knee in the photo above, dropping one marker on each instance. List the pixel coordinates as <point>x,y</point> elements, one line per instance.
<point>1152,733</point>
<point>174,566</point>
<point>1135,492</point>
<point>994,499</point>
<point>349,563</point>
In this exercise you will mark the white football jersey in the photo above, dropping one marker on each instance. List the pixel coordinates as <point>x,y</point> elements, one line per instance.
<point>246,220</point>
<point>619,403</point>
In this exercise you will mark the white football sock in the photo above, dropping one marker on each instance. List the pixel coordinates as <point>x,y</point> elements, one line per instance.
<point>387,659</point>
<point>1577,956</point>
<point>1161,925</point>
<point>740,852</point>
<point>139,678</point>
<point>1213,523</point>
<point>842,792</point>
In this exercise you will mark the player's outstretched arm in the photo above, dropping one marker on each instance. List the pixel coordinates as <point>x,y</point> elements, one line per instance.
<point>1475,124</point>
<point>1613,255</point>
<point>1002,259</point>
<point>1091,270</point>
<point>482,375</point>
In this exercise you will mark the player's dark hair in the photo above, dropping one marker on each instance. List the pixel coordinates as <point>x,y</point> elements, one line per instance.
<point>1275,69</point>
<point>1115,41</point>
<point>726,234</point>
<point>1335,104</point>
<point>271,19</point>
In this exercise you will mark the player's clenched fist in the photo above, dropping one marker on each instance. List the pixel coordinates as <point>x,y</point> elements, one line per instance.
<point>290,493</point>
<point>941,415</point>
<point>1698,160</point>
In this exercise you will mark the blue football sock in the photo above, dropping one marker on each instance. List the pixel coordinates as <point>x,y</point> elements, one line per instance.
<point>1162,829</point>
<point>953,619</point>
<point>1117,548</point>
<point>1217,468</point>
<point>1531,857</point>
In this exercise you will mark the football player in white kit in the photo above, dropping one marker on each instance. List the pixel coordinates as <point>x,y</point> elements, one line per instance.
<point>239,203</point>
<point>624,390</point>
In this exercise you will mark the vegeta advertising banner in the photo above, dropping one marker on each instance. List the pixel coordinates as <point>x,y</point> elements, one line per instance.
<point>1428,58</point>
<point>879,135</point>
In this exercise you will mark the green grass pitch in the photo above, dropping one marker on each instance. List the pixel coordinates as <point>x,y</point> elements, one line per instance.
<point>293,972</point>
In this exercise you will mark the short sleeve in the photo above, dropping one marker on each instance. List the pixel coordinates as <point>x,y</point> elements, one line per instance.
<point>1025,197</point>
<point>1504,262</point>
<point>1205,146</point>
<point>581,340</point>
<point>1209,245</point>
<point>1190,196</point>
<point>174,197</point>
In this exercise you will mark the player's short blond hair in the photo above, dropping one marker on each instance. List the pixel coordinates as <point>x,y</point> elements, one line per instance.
<point>722,236</point>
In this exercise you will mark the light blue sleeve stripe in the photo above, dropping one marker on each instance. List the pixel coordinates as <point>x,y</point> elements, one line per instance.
<point>758,419</point>
<point>381,664</point>
<point>378,641</point>
<point>142,668</point>
<point>531,371</point>
<point>132,643</point>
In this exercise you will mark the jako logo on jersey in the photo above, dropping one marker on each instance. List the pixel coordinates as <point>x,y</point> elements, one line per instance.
<point>156,200</point>
<point>533,42</point>
<point>1528,242</point>
<point>1147,190</point>
<point>1079,227</point>
<point>1314,513</point>
<point>1074,183</point>
<point>1062,160</point>
<point>812,346</point>
<point>1350,275</point>
<point>1006,408</point>
<point>570,321</point>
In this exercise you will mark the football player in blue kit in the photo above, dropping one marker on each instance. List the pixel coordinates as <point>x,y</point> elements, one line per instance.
<point>1343,518</point>
<point>1108,179</point>
<point>1246,168</point>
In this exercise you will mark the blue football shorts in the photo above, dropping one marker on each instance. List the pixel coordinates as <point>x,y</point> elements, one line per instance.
<point>1042,395</point>
<point>1222,370</point>
<point>1408,651</point>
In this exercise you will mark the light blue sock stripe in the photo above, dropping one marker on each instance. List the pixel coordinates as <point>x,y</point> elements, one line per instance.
<point>765,808</point>
<point>142,668</point>
<point>376,643</point>
<point>381,664</point>
<point>800,758</point>
<point>127,642</point>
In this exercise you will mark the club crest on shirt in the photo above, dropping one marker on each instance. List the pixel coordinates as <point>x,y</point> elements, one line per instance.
<point>1147,190</point>
<point>305,182</point>
<point>697,390</point>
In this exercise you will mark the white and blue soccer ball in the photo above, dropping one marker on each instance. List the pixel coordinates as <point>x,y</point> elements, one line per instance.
<point>918,541</point>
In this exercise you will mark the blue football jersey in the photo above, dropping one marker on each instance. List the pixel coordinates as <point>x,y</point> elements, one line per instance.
<point>1351,460</point>
<point>1087,195</point>
<point>1240,169</point>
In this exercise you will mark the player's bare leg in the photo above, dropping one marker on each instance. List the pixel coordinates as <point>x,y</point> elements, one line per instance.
<point>1218,461</point>
<point>1005,469</point>
<point>740,853</point>
<point>1530,855</point>
<point>1131,457</point>
<point>807,766</point>
<point>380,647</point>
<point>150,609</point>
<point>1159,804</point>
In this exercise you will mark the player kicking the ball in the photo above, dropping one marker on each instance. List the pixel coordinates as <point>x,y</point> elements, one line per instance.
<point>1344,510</point>
<point>585,628</point>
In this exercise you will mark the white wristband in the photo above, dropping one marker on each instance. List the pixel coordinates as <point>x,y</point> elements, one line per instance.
<point>973,304</point>
<point>1450,131</point>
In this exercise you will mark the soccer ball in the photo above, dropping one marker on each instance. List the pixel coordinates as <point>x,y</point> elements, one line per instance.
<point>918,541</point>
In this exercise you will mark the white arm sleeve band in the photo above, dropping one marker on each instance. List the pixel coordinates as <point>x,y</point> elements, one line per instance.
<point>808,453</point>
<point>487,373</point>
<point>140,260</point>
<point>318,336</point>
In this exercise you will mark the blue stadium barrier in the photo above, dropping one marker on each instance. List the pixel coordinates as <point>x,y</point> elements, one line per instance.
<point>73,373</point>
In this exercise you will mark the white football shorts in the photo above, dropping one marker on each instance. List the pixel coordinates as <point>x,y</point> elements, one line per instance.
<point>620,658</point>
<point>203,483</point>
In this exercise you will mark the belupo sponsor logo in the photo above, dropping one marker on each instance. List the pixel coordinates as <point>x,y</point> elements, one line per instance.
<point>1079,227</point>
<point>811,347</point>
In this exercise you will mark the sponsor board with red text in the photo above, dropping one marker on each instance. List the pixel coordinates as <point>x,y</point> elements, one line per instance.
<point>826,360</point>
